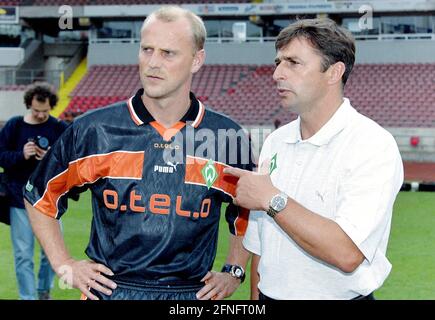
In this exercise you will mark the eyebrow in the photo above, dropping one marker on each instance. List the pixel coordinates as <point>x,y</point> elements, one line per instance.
<point>168,50</point>
<point>161,49</point>
<point>289,59</point>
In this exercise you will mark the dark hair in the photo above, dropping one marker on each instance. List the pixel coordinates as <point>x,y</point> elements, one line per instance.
<point>332,42</point>
<point>277,123</point>
<point>41,91</point>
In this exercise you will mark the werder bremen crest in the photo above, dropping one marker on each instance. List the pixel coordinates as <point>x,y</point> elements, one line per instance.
<point>209,173</point>
<point>273,165</point>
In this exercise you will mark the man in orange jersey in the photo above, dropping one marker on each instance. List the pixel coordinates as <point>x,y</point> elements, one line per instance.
<point>156,196</point>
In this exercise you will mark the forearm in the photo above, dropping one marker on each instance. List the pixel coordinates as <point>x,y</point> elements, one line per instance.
<point>237,254</point>
<point>321,237</point>
<point>49,235</point>
<point>255,277</point>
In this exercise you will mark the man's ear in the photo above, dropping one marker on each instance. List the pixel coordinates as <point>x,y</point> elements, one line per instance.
<point>198,60</point>
<point>336,72</point>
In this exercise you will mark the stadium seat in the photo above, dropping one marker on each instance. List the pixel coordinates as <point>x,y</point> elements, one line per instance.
<point>394,95</point>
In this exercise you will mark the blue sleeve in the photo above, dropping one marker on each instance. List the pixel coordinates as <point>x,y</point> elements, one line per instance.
<point>8,156</point>
<point>49,185</point>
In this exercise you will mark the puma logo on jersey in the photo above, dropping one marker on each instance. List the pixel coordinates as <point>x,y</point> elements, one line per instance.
<point>173,165</point>
<point>163,169</point>
<point>170,168</point>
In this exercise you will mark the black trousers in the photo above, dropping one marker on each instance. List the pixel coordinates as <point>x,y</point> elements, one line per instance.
<point>368,297</point>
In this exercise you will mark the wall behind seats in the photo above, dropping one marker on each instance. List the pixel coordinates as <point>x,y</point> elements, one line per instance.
<point>217,53</point>
<point>373,51</point>
<point>395,51</point>
<point>11,104</point>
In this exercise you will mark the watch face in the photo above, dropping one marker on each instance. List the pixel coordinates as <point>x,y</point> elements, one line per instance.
<point>238,273</point>
<point>278,202</point>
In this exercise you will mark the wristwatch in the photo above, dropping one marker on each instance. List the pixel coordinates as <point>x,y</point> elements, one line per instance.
<point>277,204</point>
<point>235,271</point>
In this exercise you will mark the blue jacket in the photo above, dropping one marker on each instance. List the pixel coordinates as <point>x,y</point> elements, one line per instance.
<point>14,135</point>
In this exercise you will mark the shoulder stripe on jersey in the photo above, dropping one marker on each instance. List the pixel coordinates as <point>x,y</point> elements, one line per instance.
<point>117,165</point>
<point>133,114</point>
<point>225,183</point>
<point>200,115</point>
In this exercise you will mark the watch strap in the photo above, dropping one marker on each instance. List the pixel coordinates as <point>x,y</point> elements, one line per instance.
<point>271,212</point>
<point>231,269</point>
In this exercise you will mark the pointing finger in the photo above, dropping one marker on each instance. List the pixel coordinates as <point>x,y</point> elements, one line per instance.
<point>236,172</point>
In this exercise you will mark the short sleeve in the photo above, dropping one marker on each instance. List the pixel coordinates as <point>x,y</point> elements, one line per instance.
<point>251,241</point>
<point>48,186</point>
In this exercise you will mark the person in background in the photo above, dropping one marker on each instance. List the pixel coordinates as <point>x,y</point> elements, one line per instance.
<point>24,142</point>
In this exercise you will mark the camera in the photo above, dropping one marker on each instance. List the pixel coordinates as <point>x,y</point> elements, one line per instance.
<point>40,141</point>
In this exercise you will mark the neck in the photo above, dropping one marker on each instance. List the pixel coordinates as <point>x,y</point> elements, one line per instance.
<point>30,120</point>
<point>167,111</point>
<point>314,119</point>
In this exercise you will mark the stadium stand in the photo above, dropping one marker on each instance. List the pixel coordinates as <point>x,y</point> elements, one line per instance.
<point>227,88</point>
<point>10,3</point>
<point>111,2</point>
<point>394,95</point>
<point>393,81</point>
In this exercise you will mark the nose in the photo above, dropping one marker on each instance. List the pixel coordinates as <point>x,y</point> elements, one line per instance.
<point>278,74</point>
<point>154,61</point>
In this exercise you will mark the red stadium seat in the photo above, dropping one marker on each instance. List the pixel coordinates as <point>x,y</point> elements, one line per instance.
<point>390,94</point>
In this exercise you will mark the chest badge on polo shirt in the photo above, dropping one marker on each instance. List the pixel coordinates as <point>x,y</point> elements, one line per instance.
<point>209,173</point>
<point>29,186</point>
<point>273,164</point>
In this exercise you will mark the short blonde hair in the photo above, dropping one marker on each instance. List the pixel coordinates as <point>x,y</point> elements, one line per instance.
<point>173,13</point>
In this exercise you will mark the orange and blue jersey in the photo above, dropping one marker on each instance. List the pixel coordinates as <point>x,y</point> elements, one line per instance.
<point>157,193</point>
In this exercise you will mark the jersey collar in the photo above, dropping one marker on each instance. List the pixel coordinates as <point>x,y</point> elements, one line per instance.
<point>140,115</point>
<point>333,127</point>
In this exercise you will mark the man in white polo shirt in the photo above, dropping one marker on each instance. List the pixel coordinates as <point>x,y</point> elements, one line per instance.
<point>330,183</point>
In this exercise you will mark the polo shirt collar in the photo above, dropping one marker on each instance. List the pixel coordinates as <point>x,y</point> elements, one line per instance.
<point>140,114</point>
<point>329,130</point>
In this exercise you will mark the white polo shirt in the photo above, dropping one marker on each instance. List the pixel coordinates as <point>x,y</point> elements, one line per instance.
<point>350,171</point>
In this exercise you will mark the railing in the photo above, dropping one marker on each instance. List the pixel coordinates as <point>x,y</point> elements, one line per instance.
<point>396,36</point>
<point>114,40</point>
<point>210,40</point>
<point>28,76</point>
<point>379,37</point>
<point>17,76</point>
<point>236,40</point>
